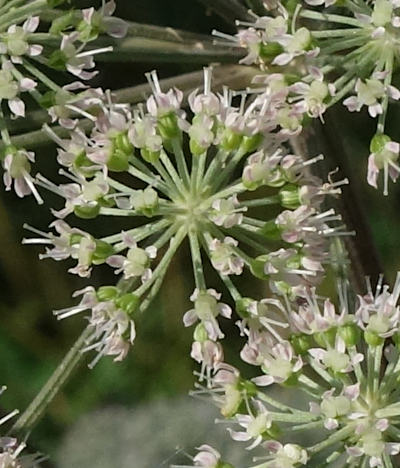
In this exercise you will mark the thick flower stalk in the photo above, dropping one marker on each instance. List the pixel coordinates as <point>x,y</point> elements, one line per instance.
<point>210,179</point>
<point>317,53</point>
<point>345,362</point>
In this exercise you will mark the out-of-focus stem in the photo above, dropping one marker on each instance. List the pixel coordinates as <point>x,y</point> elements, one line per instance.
<point>229,10</point>
<point>54,384</point>
<point>234,76</point>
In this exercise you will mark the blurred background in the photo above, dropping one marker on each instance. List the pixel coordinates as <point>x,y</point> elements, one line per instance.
<point>136,413</point>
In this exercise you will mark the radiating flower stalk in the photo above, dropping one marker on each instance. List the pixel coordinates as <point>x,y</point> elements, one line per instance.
<point>320,52</point>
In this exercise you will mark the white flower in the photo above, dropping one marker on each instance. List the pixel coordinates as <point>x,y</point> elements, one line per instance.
<point>280,363</point>
<point>206,309</point>
<point>224,258</point>
<point>255,425</point>
<point>226,212</point>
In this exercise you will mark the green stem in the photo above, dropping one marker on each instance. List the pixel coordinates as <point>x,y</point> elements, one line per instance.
<point>335,33</point>
<point>385,101</point>
<point>54,384</point>
<point>181,162</point>
<point>139,233</point>
<point>277,404</point>
<point>292,418</point>
<point>333,439</point>
<point>230,167</point>
<point>22,13</point>
<point>272,200</point>
<point>196,259</point>
<point>41,76</point>
<point>165,261</point>
<point>141,49</point>
<point>174,192</point>
<point>174,175</point>
<point>329,17</point>
<point>5,136</point>
<point>233,291</point>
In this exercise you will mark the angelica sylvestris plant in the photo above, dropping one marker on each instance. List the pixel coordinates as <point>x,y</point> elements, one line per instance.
<point>226,171</point>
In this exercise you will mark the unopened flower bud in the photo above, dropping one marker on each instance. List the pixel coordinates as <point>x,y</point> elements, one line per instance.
<point>107,293</point>
<point>128,302</point>
<point>350,334</point>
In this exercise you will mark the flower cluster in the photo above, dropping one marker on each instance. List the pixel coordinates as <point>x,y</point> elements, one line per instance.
<point>24,52</point>
<point>188,194</point>
<point>314,55</point>
<point>346,365</point>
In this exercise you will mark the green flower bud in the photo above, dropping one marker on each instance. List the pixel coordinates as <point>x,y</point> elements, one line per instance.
<point>230,140</point>
<point>248,387</point>
<point>168,126</point>
<point>87,211</point>
<point>242,306</point>
<point>89,32</point>
<point>271,231</point>
<point>372,338</point>
<point>257,266</point>
<point>350,334</point>
<point>195,148</point>
<point>81,164</point>
<point>75,239</point>
<point>200,333</point>
<point>145,201</point>
<point>222,464</point>
<point>292,381</point>
<point>232,401</point>
<point>58,60</point>
<point>107,293</point>
<point>283,287</point>
<point>150,156</point>
<point>118,161</point>
<point>378,142</point>
<point>123,143</point>
<point>326,338</point>
<point>274,432</point>
<point>61,23</point>
<point>251,143</point>
<point>48,99</point>
<point>102,252</point>
<point>128,302</point>
<point>289,197</point>
<point>301,343</point>
<point>20,163</point>
<point>268,51</point>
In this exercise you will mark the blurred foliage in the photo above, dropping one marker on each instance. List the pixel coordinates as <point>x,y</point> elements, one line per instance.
<point>32,341</point>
